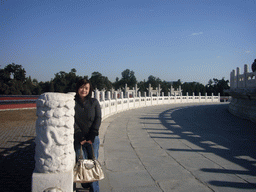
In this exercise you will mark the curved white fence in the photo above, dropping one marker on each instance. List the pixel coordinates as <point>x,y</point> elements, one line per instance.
<point>112,106</point>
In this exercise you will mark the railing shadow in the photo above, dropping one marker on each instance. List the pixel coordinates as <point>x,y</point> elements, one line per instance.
<point>17,165</point>
<point>213,129</point>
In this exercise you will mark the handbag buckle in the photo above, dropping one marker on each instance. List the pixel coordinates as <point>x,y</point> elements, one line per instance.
<point>89,164</point>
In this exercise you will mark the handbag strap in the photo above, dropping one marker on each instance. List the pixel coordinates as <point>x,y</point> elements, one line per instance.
<point>81,152</point>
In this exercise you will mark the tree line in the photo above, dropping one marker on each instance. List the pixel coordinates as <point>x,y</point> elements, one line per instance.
<point>13,81</point>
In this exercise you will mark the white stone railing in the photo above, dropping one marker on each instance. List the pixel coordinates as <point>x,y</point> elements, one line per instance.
<point>245,80</point>
<point>55,155</point>
<point>243,92</point>
<point>111,106</point>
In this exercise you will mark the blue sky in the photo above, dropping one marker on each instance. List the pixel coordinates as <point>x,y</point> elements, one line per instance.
<point>190,40</point>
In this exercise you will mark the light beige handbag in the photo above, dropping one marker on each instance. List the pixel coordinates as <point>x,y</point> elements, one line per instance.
<point>87,170</point>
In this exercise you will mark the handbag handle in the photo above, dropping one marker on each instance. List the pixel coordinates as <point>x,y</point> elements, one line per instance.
<point>81,153</point>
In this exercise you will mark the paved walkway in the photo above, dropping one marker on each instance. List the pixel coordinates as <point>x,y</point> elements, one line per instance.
<point>17,149</point>
<point>178,148</point>
<point>162,148</point>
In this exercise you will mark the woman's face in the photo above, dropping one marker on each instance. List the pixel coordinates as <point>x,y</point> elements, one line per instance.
<point>83,91</point>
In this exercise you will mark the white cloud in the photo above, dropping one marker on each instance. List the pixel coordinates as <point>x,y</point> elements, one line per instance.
<point>193,34</point>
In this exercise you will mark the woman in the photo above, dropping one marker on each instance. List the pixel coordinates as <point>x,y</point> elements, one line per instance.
<point>87,124</point>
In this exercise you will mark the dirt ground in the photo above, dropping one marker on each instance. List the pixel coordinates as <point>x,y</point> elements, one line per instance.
<point>14,118</point>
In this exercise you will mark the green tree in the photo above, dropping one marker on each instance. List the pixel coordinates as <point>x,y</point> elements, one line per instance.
<point>116,84</point>
<point>15,87</point>
<point>17,71</point>
<point>176,84</point>
<point>60,82</point>
<point>4,76</point>
<point>193,87</point>
<point>142,87</point>
<point>71,79</point>
<point>154,81</point>
<point>12,79</point>
<point>100,82</point>
<point>128,77</point>
<point>165,87</point>
<point>64,82</point>
<point>45,86</point>
<point>37,90</point>
<point>28,86</point>
<point>217,86</point>
<point>222,86</point>
<point>200,88</point>
<point>51,86</point>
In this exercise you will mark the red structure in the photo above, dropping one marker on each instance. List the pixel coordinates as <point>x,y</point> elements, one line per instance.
<point>17,102</point>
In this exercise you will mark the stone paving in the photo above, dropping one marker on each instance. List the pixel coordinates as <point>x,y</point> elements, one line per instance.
<point>16,150</point>
<point>178,147</point>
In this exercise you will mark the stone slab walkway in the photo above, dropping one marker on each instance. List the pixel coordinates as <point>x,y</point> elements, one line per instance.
<point>182,147</point>
<point>178,148</point>
<point>17,149</point>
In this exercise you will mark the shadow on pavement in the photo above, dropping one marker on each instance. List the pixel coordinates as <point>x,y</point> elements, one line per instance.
<point>17,168</point>
<point>215,130</point>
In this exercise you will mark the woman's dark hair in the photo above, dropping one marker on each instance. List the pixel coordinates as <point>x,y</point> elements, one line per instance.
<point>82,82</point>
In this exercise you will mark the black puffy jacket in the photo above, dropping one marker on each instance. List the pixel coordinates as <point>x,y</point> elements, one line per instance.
<point>87,119</point>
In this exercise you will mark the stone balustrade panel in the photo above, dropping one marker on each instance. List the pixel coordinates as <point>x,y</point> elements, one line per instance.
<point>245,80</point>
<point>113,106</point>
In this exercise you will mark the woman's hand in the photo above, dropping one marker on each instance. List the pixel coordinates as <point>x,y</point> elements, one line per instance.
<point>84,141</point>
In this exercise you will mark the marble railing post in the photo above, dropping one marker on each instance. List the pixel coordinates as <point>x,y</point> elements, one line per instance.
<point>54,152</point>
<point>237,76</point>
<point>97,95</point>
<point>234,84</point>
<point>246,70</point>
<point>115,95</point>
<point>108,95</point>
<point>102,93</point>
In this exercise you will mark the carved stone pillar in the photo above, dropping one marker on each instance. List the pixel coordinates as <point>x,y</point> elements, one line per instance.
<point>54,152</point>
